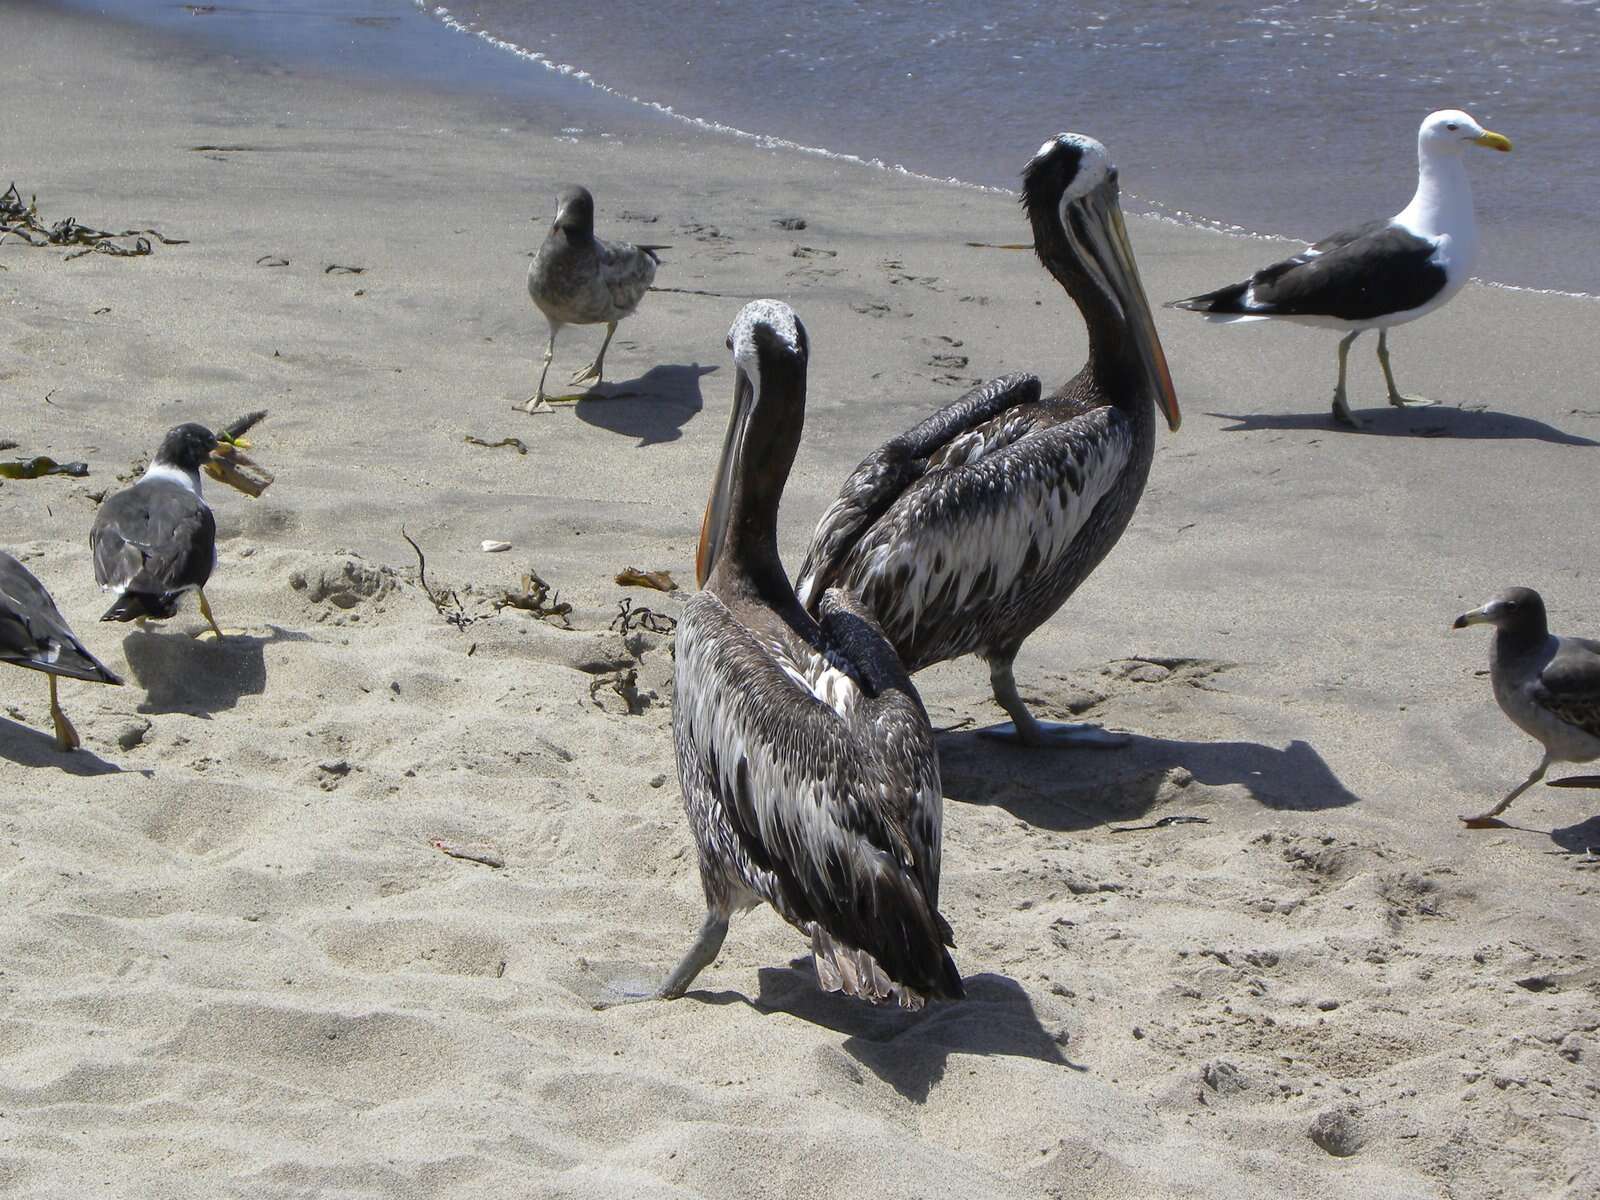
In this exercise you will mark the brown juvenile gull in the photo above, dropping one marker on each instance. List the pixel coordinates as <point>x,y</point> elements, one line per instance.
<point>1380,274</point>
<point>1549,686</point>
<point>578,279</point>
<point>34,634</point>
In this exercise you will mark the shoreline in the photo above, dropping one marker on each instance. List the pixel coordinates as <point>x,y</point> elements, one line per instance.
<point>239,964</point>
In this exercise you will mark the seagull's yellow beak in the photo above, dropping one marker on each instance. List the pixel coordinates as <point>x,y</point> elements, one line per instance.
<point>1493,140</point>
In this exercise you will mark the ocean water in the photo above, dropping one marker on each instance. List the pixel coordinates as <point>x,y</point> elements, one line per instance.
<point>1292,119</point>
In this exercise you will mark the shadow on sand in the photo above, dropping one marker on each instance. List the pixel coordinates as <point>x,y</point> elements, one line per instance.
<point>653,408</point>
<point>909,1050</point>
<point>1073,789</point>
<point>181,674</point>
<point>29,747</point>
<point>1412,422</point>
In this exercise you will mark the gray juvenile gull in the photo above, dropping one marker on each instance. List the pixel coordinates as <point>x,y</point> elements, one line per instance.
<point>806,759</point>
<point>1549,686</point>
<point>33,634</point>
<point>967,532</point>
<point>578,279</point>
<point>1380,274</point>
<point>156,540</point>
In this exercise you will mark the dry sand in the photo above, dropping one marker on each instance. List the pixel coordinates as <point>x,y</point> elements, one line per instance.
<point>231,962</point>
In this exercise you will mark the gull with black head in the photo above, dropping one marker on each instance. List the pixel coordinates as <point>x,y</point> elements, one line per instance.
<point>806,759</point>
<point>34,634</point>
<point>156,540</point>
<point>578,279</point>
<point>1380,274</point>
<point>1549,686</point>
<point>967,532</point>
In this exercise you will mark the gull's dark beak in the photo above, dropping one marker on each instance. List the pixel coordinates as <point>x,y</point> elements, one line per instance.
<point>1095,226</point>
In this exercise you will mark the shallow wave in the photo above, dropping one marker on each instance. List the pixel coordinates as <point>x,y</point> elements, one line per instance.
<point>1151,208</point>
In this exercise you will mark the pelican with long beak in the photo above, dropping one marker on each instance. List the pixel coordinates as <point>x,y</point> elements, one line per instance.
<point>805,756</point>
<point>966,533</point>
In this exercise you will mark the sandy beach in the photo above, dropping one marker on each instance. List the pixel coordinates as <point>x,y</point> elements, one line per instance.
<point>234,964</point>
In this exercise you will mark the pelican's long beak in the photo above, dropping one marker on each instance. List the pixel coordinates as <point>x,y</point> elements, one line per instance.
<point>1478,616</point>
<point>1492,140</point>
<point>714,525</point>
<point>1094,224</point>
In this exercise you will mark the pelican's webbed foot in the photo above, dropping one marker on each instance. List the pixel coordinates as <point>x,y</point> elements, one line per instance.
<point>1057,735</point>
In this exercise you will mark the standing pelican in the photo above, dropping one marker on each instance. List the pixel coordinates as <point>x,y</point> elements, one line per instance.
<point>34,634</point>
<point>577,279</point>
<point>1380,274</point>
<point>806,760</point>
<point>964,534</point>
<point>1549,686</point>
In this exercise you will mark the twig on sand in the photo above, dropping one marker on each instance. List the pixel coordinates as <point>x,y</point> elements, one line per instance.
<point>1162,823</point>
<point>629,618</point>
<point>478,852</point>
<point>445,602</point>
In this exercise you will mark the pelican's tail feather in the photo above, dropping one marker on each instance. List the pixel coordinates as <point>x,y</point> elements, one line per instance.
<point>842,968</point>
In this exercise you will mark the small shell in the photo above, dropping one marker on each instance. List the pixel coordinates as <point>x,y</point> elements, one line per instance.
<point>494,547</point>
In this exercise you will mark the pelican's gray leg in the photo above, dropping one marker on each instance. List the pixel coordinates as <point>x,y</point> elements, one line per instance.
<point>700,956</point>
<point>538,397</point>
<point>1341,406</point>
<point>1488,819</point>
<point>66,736</point>
<point>595,371</point>
<point>1025,728</point>
<point>1395,398</point>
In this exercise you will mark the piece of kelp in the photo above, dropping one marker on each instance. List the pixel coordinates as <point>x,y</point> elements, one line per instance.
<point>41,465</point>
<point>22,221</point>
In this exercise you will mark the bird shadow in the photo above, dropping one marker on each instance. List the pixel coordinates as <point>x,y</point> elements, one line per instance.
<point>1075,789</point>
<point>1582,838</point>
<point>29,747</point>
<point>181,674</point>
<point>909,1050</point>
<point>653,408</point>
<point>1442,422</point>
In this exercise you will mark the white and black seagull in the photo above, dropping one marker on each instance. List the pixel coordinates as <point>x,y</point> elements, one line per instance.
<point>1381,274</point>
<point>578,279</point>
<point>806,759</point>
<point>34,634</point>
<point>156,540</point>
<point>1549,686</point>
<point>967,532</point>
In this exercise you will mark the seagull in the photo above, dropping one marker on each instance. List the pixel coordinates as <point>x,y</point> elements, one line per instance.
<point>156,540</point>
<point>1381,274</point>
<point>806,759</point>
<point>1549,686</point>
<point>577,279</point>
<point>970,530</point>
<point>34,634</point>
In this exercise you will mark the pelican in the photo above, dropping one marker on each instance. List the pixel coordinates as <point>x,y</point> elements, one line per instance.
<point>1549,686</point>
<point>577,279</point>
<point>157,539</point>
<point>34,634</point>
<point>805,756</point>
<point>964,534</point>
<point>1381,274</point>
